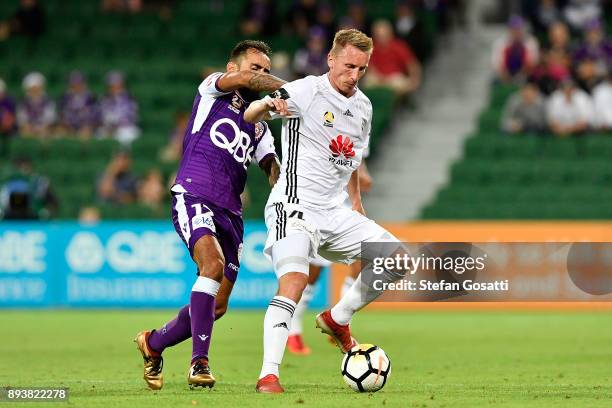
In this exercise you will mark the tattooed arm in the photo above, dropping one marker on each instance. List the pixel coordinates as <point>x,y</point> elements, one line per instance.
<point>255,81</point>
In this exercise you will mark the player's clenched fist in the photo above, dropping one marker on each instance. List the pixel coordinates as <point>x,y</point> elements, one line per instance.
<point>277,105</point>
<point>275,102</point>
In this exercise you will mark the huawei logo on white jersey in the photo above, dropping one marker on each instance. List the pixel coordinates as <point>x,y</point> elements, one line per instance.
<point>342,151</point>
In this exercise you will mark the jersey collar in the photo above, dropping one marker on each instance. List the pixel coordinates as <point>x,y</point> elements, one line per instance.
<point>335,92</point>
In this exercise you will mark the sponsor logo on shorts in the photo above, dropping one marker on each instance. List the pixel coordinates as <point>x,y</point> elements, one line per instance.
<point>203,218</point>
<point>239,252</point>
<point>233,267</point>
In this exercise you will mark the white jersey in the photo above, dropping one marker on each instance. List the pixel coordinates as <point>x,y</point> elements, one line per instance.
<point>323,142</point>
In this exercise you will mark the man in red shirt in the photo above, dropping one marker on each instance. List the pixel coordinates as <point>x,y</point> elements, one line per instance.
<point>393,64</point>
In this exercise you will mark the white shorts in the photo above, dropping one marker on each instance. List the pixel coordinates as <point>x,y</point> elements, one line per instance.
<point>336,234</point>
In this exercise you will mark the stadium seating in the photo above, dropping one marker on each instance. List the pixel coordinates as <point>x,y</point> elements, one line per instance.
<point>526,176</point>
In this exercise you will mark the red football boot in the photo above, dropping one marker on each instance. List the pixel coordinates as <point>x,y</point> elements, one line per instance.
<point>269,385</point>
<point>340,334</point>
<point>295,344</point>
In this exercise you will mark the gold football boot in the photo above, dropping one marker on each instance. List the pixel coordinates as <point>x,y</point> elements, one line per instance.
<point>153,362</point>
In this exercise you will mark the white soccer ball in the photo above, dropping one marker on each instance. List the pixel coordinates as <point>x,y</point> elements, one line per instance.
<point>366,368</point>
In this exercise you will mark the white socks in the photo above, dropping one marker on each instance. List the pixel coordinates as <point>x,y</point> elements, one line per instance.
<point>277,324</point>
<point>206,285</point>
<point>346,285</point>
<point>300,309</point>
<point>353,300</point>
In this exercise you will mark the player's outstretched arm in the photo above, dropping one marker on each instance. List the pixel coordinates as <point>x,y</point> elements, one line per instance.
<point>260,110</point>
<point>271,167</point>
<point>255,81</point>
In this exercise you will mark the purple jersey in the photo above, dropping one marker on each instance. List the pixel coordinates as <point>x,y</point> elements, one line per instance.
<point>79,109</point>
<point>219,145</point>
<point>601,52</point>
<point>119,110</point>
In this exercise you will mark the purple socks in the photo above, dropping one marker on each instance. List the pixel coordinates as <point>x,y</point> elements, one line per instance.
<point>173,332</point>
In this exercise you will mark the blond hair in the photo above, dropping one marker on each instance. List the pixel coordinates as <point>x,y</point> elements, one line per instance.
<point>353,37</point>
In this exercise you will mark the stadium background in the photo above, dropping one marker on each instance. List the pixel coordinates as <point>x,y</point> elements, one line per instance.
<point>523,188</point>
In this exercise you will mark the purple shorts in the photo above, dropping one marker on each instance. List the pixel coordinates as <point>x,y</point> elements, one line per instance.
<point>193,217</point>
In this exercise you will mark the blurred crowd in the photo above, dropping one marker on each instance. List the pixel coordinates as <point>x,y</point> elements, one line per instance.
<point>77,113</point>
<point>400,45</point>
<point>560,55</point>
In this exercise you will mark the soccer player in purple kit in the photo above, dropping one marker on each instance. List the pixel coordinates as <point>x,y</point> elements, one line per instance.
<point>207,211</point>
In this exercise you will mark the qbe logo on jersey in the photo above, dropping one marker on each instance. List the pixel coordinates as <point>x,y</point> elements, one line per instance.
<point>342,151</point>
<point>240,146</point>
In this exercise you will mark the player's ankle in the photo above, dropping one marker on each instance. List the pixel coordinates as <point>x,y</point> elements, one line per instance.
<point>204,360</point>
<point>269,368</point>
<point>152,351</point>
<point>340,317</point>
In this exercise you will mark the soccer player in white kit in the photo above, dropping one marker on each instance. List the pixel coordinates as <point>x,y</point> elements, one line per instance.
<point>326,128</point>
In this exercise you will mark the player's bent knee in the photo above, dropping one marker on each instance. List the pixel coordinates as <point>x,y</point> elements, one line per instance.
<point>292,284</point>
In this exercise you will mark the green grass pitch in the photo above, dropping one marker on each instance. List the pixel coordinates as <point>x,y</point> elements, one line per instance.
<point>440,359</point>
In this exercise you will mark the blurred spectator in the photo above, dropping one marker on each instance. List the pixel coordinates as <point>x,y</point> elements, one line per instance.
<point>119,111</point>
<point>570,110</point>
<point>543,14</point>
<point>29,20</point>
<point>301,16</point>
<point>281,65</point>
<point>26,195</point>
<point>151,191</point>
<point>602,98</point>
<point>312,60</point>
<point>174,149</point>
<point>558,37</point>
<point>588,74</point>
<point>89,215</point>
<point>36,113</point>
<point>525,111</point>
<point>118,185</point>
<point>326,19</point>
<point>595,46</point>
<point>357,17</point>
<point>555,64</point>
<point>393,63</point>
<point>79,110</point>
<point>121,6</point>
<point>554,67</point>
<point>259,18</point>
<point>515,54</point>
<point>7,114</point>
<point>579,13</point>
<point>409,28</point>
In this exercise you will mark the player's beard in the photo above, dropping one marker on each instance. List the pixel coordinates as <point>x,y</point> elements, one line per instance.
<point>248,95</point>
